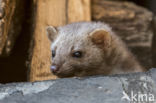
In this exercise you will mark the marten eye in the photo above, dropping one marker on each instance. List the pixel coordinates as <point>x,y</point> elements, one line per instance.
<point>53,53</point>
<point>77,54</point>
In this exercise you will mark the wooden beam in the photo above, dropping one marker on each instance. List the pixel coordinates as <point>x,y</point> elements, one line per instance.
<point>55,13</point>
<point>11,18</point>
<point>78,10</point>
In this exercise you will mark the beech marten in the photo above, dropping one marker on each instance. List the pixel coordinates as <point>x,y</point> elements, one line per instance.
<point>89,48</point>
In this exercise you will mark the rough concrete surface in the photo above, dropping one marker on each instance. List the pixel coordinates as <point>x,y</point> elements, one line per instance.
<point>126,88</point>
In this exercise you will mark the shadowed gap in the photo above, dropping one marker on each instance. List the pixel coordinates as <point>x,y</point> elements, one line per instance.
<point>13,68</point>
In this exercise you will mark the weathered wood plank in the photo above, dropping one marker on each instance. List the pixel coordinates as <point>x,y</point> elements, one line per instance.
<point>56,13</point>
<point>78,10</point>
<point>15,29</point>
<point>6,11</point>
<point>10,24</point>
<point>48,12</point>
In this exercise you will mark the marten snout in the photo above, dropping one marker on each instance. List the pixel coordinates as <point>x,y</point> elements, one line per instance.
<point>54,68</point>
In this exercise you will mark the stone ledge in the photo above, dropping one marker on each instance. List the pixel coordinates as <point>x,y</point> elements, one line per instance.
<point>97,89</point>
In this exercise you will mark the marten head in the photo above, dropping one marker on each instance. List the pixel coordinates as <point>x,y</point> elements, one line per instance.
<point>78,49</point>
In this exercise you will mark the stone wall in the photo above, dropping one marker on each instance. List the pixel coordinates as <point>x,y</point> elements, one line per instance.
<point>97,89</point>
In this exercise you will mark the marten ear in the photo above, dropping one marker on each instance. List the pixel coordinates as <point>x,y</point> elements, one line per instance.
<point>51,32</point>
<point>101,37</point>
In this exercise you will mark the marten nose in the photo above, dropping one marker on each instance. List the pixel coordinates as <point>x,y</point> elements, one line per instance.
<point>54,68</point>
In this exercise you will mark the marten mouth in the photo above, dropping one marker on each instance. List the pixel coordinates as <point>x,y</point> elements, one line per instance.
<point>70,72</point>
<point>64,73</point>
